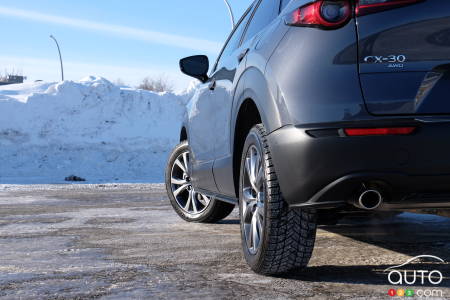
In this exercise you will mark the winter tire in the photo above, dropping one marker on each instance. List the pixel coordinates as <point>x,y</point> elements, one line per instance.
<point>275,238</point>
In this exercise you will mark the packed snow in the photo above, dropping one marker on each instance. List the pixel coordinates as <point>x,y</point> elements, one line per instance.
<point>89,128</point>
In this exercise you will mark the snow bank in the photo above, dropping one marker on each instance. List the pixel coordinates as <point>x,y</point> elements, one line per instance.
<point>89,128</point>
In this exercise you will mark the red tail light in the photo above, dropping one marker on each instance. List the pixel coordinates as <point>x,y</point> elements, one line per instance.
<point>365,7</point>
<point>322,13</point>
<point>379,131</point>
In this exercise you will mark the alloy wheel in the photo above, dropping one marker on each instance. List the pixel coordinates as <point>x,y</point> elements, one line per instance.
<point>253,197</point>
<point>186,197</point>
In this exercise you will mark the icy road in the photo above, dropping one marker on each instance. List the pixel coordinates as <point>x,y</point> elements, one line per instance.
<point>124,241</point>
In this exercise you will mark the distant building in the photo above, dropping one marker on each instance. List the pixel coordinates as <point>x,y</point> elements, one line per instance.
<point>12,79</point>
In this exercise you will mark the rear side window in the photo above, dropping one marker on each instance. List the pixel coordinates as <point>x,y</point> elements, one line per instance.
<point>265,13</point>
<point>233,42</point>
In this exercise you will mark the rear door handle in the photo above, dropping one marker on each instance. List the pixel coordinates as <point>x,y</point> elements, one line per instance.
<point>212,84</point>
<point>243,54</point>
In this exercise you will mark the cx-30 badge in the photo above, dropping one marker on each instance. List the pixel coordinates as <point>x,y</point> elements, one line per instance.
<point>394,61</point>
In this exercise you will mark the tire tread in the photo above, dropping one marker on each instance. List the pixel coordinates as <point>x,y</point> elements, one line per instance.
<point>291,232</point>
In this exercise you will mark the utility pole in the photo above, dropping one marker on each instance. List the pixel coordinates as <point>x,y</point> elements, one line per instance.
<point>60,57</point>
<point>231,14</point>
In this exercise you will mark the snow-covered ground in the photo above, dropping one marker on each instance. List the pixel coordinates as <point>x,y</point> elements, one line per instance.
<point>89,128</point>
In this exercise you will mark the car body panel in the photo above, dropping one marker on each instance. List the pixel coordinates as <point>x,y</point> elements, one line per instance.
<point>316,73</point>
<point>404,57</point>
<point>232,86</point>
<point>405,165</point>
<point>209,113</point>
<point>201,142</point>
<point>228,83</point>
<point>308,79</point>
<point>259,47</point>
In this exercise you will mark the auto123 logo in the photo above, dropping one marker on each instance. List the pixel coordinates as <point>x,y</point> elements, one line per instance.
<point>428,279</point>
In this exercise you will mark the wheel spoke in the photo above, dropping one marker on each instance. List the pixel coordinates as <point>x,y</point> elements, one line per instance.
<point>251,179</point>
<point>248,233</point>
<point>260,212</point>
<point>248,211</point>
<point>194,202</point>
<point>259,177</point>
<point>180,165</point>
<point>254,186</point>
<point>185,196</point>
<point>255,233</point>
<point>253,166</point>
<point>178,181</point>
<point>180,189</point>
<point>248,168</point>
<point>205,200</point>
<point>255,162</point>
<point>259,219</point>
<point>249,203</point>
<point>188,202</point>
<point>185,162</point>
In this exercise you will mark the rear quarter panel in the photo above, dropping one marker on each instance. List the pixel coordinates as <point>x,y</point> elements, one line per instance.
<point>315,74</point>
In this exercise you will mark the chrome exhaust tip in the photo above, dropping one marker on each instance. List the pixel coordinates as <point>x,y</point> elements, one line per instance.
<point>370,200</point>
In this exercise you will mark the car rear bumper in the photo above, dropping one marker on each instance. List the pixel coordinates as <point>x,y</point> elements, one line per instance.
<point>411,171</point>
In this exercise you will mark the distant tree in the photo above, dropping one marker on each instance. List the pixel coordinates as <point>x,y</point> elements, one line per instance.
<point>158,84</point>
<point>119,82</point>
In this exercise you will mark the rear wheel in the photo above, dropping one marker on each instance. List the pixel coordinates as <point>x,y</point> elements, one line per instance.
<point>275,238</point>
<point>189,204</point>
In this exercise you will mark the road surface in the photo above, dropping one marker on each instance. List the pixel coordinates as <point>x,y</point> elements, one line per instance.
<point>124,241</point>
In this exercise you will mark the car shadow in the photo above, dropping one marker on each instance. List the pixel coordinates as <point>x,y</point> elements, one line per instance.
<point>363,274</point>
<point>229,222</point>
<point>409,234</point>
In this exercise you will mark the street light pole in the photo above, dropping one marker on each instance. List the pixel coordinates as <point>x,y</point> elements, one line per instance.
<point>60,57</point>
<point>231,14</point>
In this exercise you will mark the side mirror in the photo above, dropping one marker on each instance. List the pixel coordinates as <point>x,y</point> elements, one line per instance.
<point>196,66</point>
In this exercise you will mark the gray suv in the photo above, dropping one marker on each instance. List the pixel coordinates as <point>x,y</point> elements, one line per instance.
<point>314,110</point>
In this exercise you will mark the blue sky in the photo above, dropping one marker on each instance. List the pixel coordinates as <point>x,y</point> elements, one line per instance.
<point>112,38</point>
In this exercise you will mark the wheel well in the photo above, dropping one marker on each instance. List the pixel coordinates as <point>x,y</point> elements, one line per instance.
<point>247,117</point>
<point>183,134</point>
